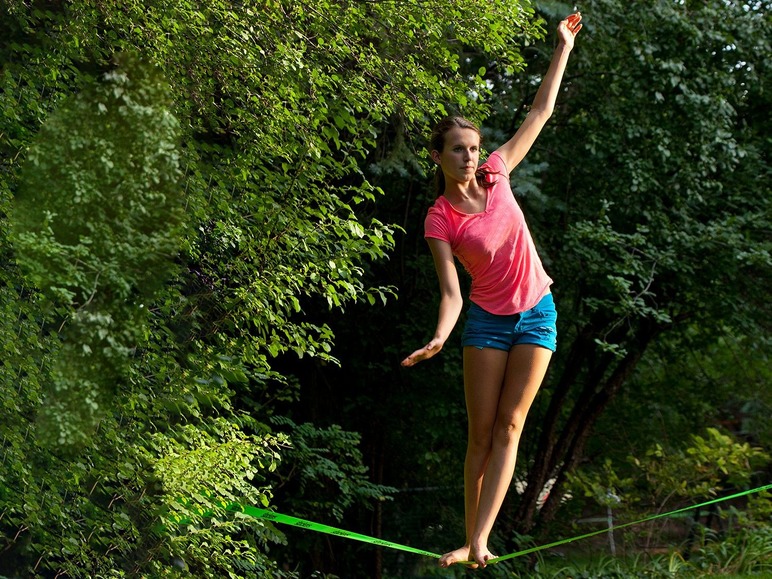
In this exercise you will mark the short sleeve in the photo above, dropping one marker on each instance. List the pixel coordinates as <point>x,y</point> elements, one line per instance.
<point>436,224</point>
<point>495,164</point>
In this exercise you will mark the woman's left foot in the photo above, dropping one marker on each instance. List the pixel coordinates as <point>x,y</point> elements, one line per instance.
<point>481,555</point>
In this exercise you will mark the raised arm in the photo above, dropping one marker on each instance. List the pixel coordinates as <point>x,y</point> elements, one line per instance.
<point>514,150</point>
<point>451,302</point>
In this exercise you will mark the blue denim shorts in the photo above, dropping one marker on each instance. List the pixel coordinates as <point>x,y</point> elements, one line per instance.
<point>534,326</point>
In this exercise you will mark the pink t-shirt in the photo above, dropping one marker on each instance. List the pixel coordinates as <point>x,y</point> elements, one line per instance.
<point>494,246</point>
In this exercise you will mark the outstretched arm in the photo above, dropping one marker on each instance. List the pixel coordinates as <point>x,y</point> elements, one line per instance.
<point>451,302</point>
<point>514,150</point>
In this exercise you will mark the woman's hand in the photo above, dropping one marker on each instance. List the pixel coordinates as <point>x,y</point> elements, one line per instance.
<point>429,350</point>
<point>569,28</point>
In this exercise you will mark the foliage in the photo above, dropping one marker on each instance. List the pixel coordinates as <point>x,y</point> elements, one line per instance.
<point>173,332</point>
<point>603,485</point>
<point>97,223</point>
<point>744,553</point>
<point>321,478</point>
<point>96,227</point>
<point>626,194</point>
<point>297,168</point>
<point>706,467</point>
<point>719,381</point>
<point>327,457</point>
<point>628,191</point>
<point>665,479</point>
<point>748,551</point>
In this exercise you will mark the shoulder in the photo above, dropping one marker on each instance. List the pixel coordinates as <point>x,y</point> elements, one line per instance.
<point>438,209</point>
<point>495,164</point>
<point>438,222</point>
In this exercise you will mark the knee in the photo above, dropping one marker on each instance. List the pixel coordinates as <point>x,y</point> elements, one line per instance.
<point>508,430</point>
<point>480,440</point>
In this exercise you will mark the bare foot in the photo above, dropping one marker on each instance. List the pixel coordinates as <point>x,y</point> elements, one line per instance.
<point>457,556</point>
<point>481,555</point>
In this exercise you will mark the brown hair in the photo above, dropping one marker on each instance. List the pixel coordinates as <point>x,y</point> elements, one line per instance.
<point>437,143</point>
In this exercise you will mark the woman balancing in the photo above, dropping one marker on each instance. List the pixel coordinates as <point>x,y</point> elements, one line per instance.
<point>510,333</point>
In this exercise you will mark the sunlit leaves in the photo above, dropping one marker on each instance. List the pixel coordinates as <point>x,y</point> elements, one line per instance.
<point>97,223</point>
<point>280,107</point>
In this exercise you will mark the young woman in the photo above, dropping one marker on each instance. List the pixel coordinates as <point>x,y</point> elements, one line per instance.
<point>510,333</point>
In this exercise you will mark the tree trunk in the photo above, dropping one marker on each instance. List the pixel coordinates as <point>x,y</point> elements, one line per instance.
<point>539,474</point>
<point>560,451</point>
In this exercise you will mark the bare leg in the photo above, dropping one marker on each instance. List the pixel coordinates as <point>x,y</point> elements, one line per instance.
<point>500,388</point>
<point>481,404</point>
<point>526,367</point>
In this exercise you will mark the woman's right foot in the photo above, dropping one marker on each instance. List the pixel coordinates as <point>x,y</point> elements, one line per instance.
<point>457,556</point>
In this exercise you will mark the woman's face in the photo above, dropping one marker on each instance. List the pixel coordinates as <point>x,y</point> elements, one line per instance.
<point>460,154</point>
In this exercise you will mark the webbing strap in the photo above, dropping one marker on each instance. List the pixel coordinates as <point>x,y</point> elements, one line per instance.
<point>303,524</point>
<point>638,522</point>
<point>267,515</point>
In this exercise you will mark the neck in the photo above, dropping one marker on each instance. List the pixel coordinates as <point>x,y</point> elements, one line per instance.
<point>462,189</point>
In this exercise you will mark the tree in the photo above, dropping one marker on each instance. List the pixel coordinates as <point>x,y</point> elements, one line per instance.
<point>627,190</point>
<point>647,191</point>
<point>278,109</point>
<point>110,158</point>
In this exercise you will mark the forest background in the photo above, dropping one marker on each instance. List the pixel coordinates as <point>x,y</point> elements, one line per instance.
<point>212,263</point>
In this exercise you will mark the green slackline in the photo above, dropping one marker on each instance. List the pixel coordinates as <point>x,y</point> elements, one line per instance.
<point>614,527</point>
<point>295,522</point>
<point>267,515</point>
